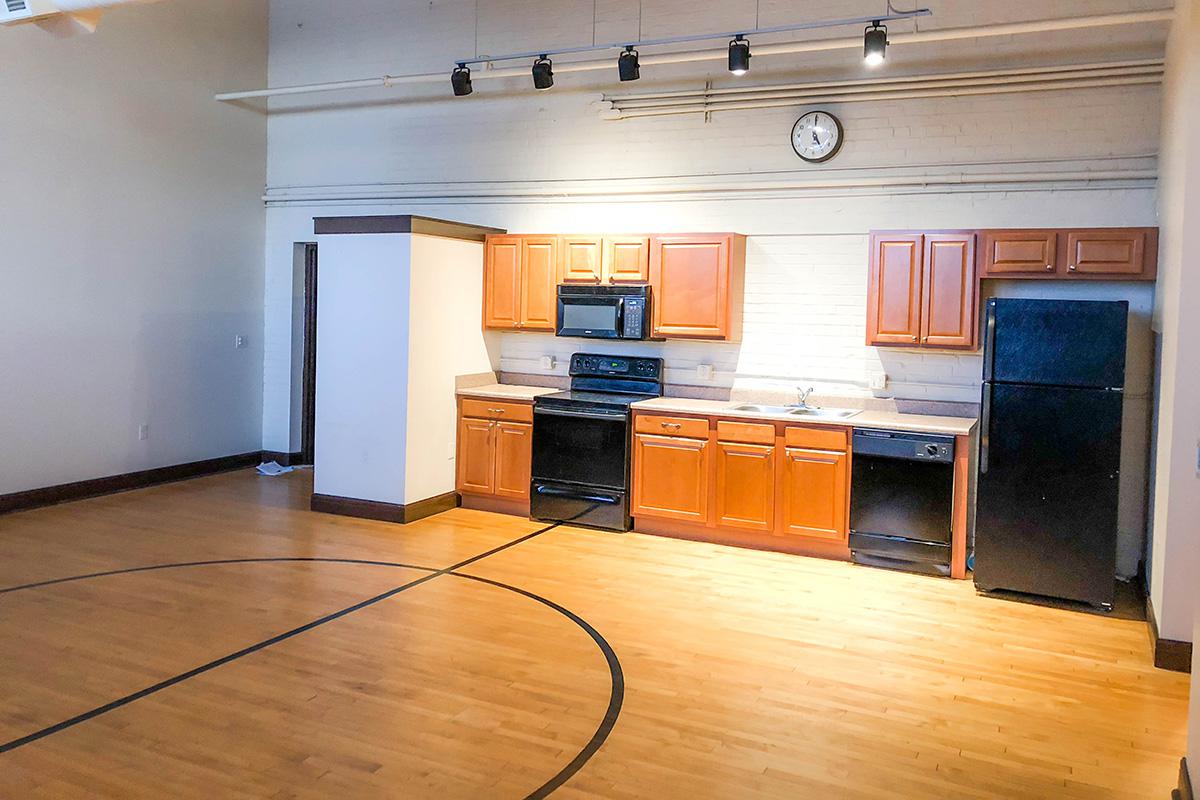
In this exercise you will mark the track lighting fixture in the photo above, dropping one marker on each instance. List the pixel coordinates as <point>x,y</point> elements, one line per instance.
<point>739,56</point>
<point>875,44</point>
<point>460,79</point>
<point>543,74</point>
<point>627,64</point>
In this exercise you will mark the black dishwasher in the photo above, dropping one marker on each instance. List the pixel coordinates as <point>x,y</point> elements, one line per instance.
<point>901,499</point>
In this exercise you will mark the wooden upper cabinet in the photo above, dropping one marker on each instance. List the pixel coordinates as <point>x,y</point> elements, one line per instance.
<point>514,448</point>
<point>476,456</point>
<point>814,495</point>
<point>745,486</point>
<point>670,477</point>
<point>949,291</point>
<point>894,289</point>
<point>1120,252</point>
<point>582,259</point>
<point>502,282</point>
<point>539,282</point>
<point>698,283</point>
<point>1015,253</point>
<point>626,259</point>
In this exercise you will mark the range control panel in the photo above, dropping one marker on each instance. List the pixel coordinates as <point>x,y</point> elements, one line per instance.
<point>904,445</point>
<point>596,365</point>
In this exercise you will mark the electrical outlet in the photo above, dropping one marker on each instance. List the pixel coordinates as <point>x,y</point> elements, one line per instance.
<point>704,372</point>
<point>877,382</point>
<point>548,363</point>
<point>143,432</point>
<point>239,342</point>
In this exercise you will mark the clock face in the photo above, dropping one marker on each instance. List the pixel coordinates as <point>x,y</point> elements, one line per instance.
<point>817,136</point>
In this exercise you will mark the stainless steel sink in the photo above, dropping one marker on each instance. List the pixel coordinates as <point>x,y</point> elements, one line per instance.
<point>799,411</point>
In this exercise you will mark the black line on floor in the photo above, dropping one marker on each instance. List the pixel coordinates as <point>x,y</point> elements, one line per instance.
<point>254,648</point>
<point>615,699</point>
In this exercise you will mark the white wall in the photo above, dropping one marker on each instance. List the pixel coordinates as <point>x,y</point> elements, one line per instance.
<point>362,366</point>
<point>444,342</point>
<point>133,230</point>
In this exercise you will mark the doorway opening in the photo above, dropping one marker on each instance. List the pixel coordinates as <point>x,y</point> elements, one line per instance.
<point>305,317</point>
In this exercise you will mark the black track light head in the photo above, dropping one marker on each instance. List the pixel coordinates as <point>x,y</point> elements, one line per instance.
<point>875,44</point>
<point>627,64</point>
<point>460,79</point>
<point>543,73</point>
<point>739,56</point>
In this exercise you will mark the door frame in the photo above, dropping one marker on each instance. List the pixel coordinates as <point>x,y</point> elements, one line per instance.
<point>308,390</point>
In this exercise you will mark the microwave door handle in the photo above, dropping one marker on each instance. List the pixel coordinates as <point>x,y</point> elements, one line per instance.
<point>620,323</point>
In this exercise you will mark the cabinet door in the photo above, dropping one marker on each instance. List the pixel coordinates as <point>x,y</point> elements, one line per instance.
<point>745,486</point>
<point>1115,252</point>
<point>476,456</point>
<point>814,494</point>
<point>502,282</point>
<point>627,259</point>
<point>1031,252</point>
<point>670,478</point>
<point>513,453</point>
<point>949,304</point>
<point>539,282</point>
<point>894,289</point>
<point>582,259</point>
<point>690,276</point>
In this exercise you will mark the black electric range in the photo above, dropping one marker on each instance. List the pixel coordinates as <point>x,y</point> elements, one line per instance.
<point>582,441</point>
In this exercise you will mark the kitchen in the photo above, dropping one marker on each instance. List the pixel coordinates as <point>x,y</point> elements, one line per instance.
<point>666,399</point>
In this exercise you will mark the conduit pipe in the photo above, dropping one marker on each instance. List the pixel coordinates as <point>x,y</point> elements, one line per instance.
<point>701,101</point>
<point>760,50</point>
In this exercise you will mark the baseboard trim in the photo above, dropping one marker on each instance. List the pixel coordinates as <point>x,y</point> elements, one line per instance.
<point>383,512</point>
<point>1169,654</point>
<point>97,487</point>
<point>1184,792</point>
<point>283,459</point>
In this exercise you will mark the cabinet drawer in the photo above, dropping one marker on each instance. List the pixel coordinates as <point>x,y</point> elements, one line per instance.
<point>496,409</point>
<point>1114,252</point>
<point>745,432</point>
<point>816,438</point>
<point>672,426</point>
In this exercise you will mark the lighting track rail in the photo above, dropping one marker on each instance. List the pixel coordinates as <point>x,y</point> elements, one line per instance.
<point>741,33</point>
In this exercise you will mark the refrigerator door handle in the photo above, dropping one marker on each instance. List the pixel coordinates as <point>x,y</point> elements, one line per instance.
<point>989,341</point>
<point>985,424</point>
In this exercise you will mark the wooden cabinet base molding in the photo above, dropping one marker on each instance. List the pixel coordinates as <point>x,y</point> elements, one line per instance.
<point>752,540</point>
<point>496,505</point>
<point>383,512</point>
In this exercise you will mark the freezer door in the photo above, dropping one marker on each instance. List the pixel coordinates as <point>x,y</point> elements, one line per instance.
<point>1046,509</point>
<point>1056,342</point>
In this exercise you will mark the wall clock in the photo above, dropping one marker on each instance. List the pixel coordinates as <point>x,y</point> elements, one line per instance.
<point>817,136</point>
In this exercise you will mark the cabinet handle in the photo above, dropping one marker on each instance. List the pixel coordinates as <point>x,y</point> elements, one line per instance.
<point>672,425</point>
<point>496,410</point>
<point>1049,268</point>
<point>1072,268</point>
<point>914,338</point>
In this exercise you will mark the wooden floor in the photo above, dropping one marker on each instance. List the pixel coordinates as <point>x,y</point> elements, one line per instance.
<point>737,674</point>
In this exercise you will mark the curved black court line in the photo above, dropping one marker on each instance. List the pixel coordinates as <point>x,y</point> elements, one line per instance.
<point>616,674</point>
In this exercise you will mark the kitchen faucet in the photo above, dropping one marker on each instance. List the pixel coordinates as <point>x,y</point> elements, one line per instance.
<point>803,394</point>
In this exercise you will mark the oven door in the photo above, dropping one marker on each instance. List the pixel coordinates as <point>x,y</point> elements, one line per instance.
<point>590,317</point>
<point>584,448</point>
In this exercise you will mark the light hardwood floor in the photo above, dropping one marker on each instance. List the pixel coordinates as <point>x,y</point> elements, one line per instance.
<point>745,674</point>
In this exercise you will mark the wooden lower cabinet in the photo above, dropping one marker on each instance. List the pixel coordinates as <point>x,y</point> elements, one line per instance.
<point>814,485</point>
<point>670,479</point>
<point>771,485</point>
<point>745,486</point>
<point>476,456</point>
<point>494,457</point>
<point>514,450</point>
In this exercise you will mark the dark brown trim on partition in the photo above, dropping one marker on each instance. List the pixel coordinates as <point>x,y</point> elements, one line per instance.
<point>403,223</point>
<point>95,487</point>
<point>383,512</point>
<point>1169,654</point>
<point>284,459</point>
<point>1184,792</point>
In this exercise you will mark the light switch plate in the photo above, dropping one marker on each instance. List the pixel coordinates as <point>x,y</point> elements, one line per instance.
<point>877,382</point>
<point>704,372</point>
<point>548,363</point>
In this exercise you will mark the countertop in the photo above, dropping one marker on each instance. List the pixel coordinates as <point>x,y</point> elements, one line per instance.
<point>504,391</point>
<point>890,420</point>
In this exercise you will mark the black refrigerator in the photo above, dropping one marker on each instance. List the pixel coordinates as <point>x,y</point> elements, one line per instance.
<point>1050,448</point>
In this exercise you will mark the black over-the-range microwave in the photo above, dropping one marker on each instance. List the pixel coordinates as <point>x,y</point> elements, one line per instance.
<point>604,312</point>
